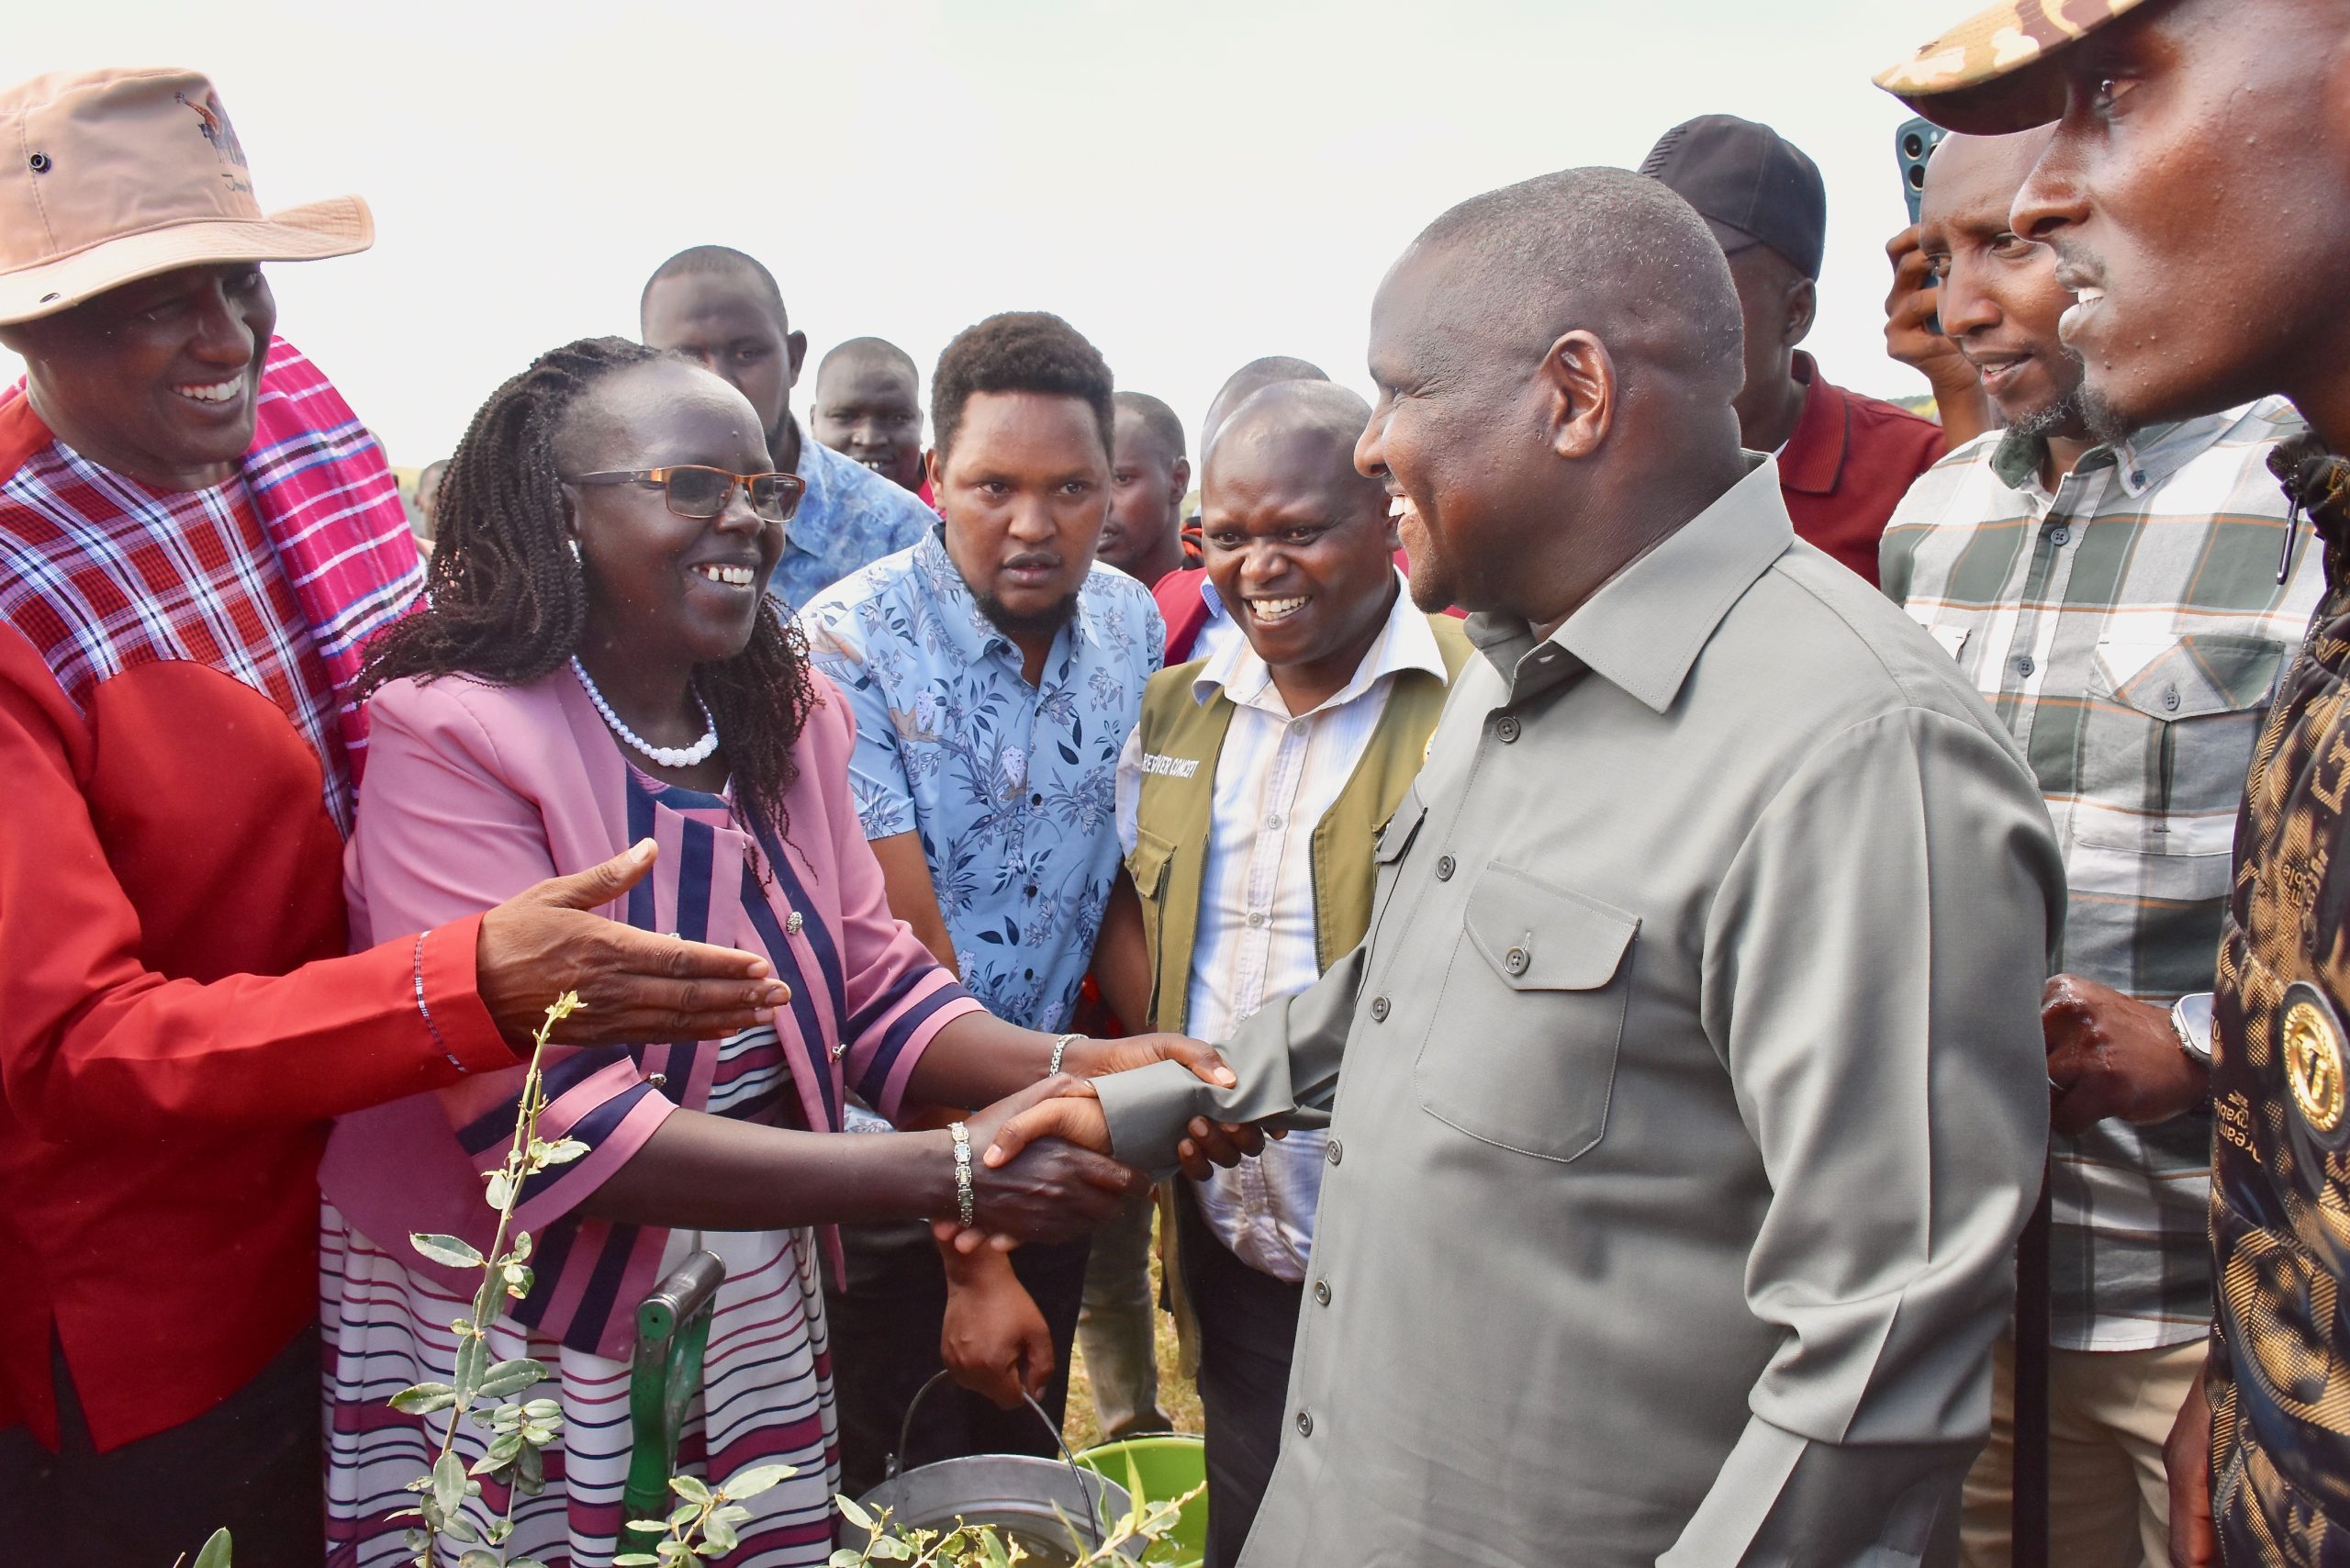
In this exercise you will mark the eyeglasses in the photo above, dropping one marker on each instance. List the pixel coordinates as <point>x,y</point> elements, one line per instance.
<point>703,493</point>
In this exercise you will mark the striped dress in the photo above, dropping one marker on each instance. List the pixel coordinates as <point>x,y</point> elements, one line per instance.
<point>815,906</point>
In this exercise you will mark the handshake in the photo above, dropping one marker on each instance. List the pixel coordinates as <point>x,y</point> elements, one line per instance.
<point>1043,1169</point>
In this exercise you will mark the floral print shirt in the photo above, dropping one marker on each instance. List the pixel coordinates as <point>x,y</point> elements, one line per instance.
<point>1013,787</point>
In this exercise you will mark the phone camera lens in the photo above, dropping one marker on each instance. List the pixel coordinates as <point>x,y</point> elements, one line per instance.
<point>1913,145</point>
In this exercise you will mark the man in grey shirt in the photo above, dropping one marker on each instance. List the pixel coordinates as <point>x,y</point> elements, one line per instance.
<point>1693,1100</point>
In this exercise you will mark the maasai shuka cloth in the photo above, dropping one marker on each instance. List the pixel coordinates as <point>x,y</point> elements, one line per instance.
<point>101,571</point>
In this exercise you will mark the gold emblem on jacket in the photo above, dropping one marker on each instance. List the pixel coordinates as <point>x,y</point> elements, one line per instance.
<point>2313,1068</point>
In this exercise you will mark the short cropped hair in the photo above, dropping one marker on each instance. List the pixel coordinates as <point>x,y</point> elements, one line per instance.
<point>868,349</point>
<point>1020,350</point>
<point>720,261</point>
<point>1616,250</point>
<point>1156,418</point>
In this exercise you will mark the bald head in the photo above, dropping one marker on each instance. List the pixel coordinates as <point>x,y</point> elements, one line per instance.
<point>1294,414</point>
<point>1247,382</point>
<point>1613,252</point>
<point>1556,363</point>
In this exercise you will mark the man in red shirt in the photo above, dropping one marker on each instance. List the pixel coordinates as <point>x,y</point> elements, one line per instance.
<point>1845,461</point>
<point>196,538</point>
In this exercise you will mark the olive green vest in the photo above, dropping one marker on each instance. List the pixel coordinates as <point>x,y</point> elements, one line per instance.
<point>1181,740</point>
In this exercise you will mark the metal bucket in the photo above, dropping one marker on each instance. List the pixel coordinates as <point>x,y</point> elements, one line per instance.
<point>1016,1496</point>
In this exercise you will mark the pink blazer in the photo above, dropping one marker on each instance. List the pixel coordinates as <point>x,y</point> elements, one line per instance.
<point>475,791</point>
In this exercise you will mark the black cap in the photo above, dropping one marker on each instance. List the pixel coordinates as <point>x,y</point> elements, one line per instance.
<point>1751,185</point>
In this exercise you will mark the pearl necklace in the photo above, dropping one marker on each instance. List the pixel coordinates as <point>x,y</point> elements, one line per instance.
<point>667,756</point>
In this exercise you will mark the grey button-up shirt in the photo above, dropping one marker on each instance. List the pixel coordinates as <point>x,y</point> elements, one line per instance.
<point>1692,1099</point>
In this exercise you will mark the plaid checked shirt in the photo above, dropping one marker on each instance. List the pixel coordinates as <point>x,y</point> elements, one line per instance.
<point>277,576</point>
<point>2129,630</point>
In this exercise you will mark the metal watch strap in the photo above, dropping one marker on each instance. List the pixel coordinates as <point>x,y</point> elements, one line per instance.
<point>966,1207</point>
<point>1060,1049</point>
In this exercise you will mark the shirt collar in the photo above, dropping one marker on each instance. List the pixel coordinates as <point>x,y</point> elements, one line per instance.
<point>819,502</point>
<point>959,616</point>
<point>2142,461</point>
<point>1644,628</point>
<point>1813,459</point>
<point>1405,642</point>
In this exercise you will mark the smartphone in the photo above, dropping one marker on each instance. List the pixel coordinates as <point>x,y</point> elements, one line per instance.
<point>1913,144</point>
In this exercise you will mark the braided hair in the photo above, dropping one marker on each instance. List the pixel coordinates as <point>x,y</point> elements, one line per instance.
<point>506,601</point>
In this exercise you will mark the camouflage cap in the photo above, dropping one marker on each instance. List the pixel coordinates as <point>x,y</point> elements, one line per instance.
<point>1996,72</point>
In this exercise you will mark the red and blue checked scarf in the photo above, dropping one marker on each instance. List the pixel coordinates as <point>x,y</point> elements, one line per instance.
<point>327,503</point>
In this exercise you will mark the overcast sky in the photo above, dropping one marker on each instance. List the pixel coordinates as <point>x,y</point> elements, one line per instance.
<point>1192,185</point>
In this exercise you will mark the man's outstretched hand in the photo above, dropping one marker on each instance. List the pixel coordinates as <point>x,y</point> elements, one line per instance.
<point>542,942</point>
<point>2110,1055</point>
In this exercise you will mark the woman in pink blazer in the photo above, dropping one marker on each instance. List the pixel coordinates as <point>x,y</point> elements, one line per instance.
<point>600,667</point>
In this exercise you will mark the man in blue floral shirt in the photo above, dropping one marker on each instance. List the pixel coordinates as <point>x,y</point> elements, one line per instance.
<point>995,671</point>
<point>722,307</point>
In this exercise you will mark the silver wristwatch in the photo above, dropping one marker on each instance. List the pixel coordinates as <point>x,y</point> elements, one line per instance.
<point>2191,1019</point>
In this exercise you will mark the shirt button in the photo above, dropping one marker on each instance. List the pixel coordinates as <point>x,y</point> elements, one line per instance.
<point>2024,665</point>
<point>1274,821</point>
<point>1297,726</point>
<point>1506,729</point>
<point>1029,891</point>
<point>1337,1152</point>
<point>1516,960</point>
<point>1321,1292</point>
<point>1378,1015</point>
<point>1305,1423</point>
<point>1444,868</point>
<point>1255,917</point>
<point>2060,535</point>
<point>2170,698</point>
<point>1035,799</point>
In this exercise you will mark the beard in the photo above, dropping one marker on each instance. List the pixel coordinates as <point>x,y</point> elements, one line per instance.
<point>2105,422</point>
<point>2030,431</point>
<point>1045,622</point>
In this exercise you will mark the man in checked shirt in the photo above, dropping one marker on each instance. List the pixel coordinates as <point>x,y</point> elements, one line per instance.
<point>2114,597</point>
<point>1251,798</point>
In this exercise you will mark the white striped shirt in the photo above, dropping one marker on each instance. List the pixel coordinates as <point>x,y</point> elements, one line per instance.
<point>1278,775</point>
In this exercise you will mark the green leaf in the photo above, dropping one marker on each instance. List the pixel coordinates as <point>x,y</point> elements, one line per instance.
<point>732,1513</point>
<point>510,1377</point>
<point>751,1482</point>
<point>215,1552</point>
<point>650,1527</point>
<point>891,1551</point>
<point>846,1557</point>
<point>689,1487</point>
<point>501,1452</point>
<point>477,1558</point>
<point>424,1399</point>
<point>673,1551</point>
<point>635,1560</point>
<point>853,1513</point>
<point>524,1562</point>
<point>561,1152</point>
<point>717,1536</point>
<point>471,1355</point>
<point>686,1514</point>
<point>519,1281</point>
<point>501,1191</point>
<point>997,1556</point>
<point>454,1251</point>
<point>521,1251</point>
<point>448,1482</point>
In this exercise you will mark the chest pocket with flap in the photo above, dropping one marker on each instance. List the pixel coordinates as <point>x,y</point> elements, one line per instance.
<point>1522,1054</point>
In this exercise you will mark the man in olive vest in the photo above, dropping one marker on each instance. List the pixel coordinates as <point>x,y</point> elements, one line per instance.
<point>1251,798</point>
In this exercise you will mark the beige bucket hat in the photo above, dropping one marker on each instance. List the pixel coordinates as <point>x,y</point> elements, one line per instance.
<point>109,176</point>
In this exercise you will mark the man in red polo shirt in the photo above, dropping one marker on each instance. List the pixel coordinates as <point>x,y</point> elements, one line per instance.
<point>196,538</point>
<point>1845,461</point>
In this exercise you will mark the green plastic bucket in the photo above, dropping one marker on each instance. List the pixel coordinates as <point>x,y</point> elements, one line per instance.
<point>1160,1469</point>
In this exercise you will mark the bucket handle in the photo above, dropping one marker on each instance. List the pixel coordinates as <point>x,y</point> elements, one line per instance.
<point>1077,1474</point>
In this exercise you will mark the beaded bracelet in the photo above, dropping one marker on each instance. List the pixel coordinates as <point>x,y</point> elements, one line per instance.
<point>966,1204</point>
